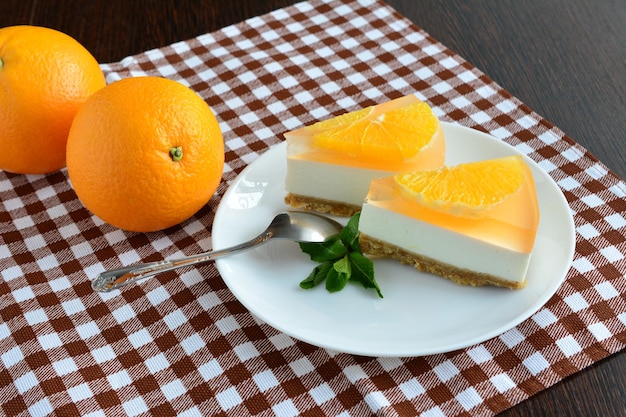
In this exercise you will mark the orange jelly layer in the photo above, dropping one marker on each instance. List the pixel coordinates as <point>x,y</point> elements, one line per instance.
<point>430,157</point>
<point>301,145</point>
<point>512,224</point>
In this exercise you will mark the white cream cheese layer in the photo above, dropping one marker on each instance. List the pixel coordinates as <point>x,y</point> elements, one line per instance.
<point>329,181</point>
<point>443,245</point>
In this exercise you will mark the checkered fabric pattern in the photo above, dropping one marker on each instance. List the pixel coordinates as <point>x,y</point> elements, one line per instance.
<point>181,344</point>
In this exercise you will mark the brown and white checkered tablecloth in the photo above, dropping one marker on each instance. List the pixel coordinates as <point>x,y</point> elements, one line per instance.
<point>181,344</point>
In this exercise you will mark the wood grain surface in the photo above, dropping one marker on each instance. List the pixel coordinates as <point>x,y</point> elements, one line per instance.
<point>565,59</point>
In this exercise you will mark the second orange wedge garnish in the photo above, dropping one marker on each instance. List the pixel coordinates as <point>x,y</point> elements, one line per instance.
<point>390,136</point>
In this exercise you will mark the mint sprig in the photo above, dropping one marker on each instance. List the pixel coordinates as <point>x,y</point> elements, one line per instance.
<point>340,261</point>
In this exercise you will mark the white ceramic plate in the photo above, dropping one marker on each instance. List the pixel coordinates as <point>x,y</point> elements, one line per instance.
<point>421,314</point>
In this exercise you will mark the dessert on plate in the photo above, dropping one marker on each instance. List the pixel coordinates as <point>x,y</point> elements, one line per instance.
<point>331,163</point>
<point>474,223</point>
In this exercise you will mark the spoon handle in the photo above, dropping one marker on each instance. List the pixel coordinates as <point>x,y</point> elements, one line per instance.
<point>116,278</point>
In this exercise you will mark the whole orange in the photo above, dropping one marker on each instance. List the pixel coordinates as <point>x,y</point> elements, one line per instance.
<point>45,76</point>
<point>145,153</point>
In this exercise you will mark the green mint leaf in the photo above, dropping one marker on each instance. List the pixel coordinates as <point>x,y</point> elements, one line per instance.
<point>316,276</point>
<point>343,265</point>
<point>340,260</point>
<point>363,271</point>
<point>339,275</point>
<point>329,250</point>
<point>350,233</point>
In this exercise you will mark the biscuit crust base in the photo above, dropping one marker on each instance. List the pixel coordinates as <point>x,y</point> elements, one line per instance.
<point>321,206</point>
<point>375,247</point>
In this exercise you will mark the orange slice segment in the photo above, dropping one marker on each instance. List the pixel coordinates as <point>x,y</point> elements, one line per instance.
<point>393,131</point>
<point>468,190</point>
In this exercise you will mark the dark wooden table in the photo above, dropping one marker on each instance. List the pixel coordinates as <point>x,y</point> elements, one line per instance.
<point>566,59</point>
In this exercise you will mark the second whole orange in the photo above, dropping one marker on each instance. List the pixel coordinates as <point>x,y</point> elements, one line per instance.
<point>45,76</point>
<point>145,153</point>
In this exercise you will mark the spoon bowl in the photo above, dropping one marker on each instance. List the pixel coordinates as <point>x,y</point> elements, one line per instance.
<point>293,225</point>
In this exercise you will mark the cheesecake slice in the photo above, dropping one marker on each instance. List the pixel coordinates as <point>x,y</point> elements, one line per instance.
<point>474,223</point>
<point>331,163</point>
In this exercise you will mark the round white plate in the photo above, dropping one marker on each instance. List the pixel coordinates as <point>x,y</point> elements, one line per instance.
<point>420,314</point>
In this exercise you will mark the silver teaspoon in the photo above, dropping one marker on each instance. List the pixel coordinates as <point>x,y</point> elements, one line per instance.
<point>294,225</point>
